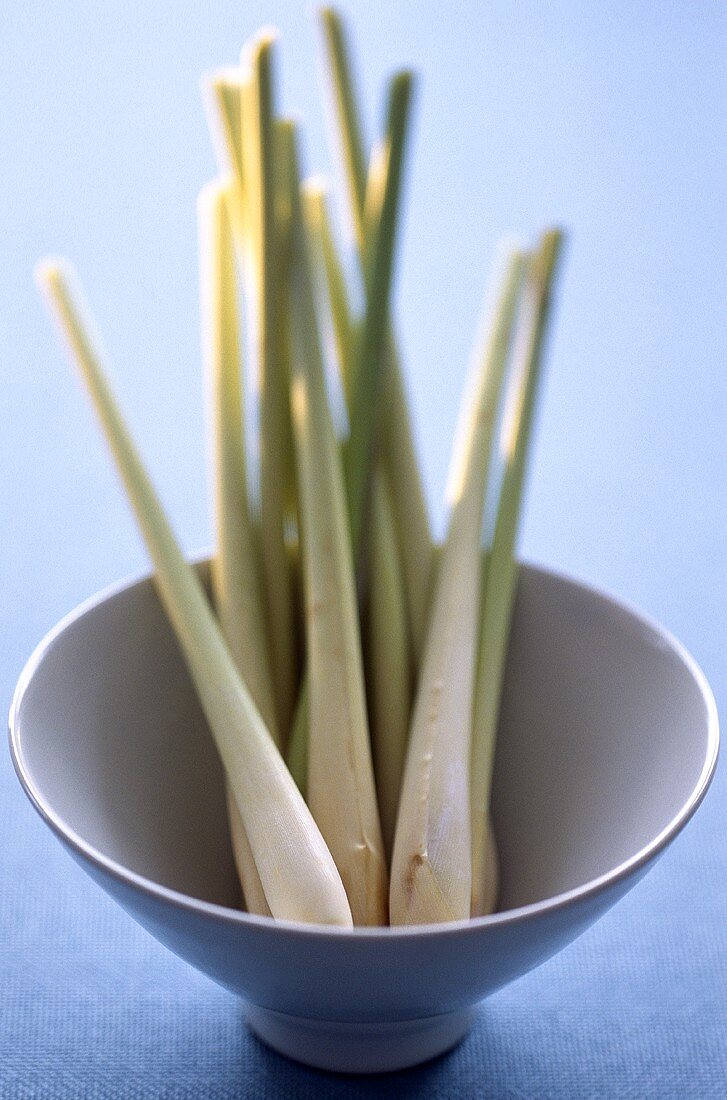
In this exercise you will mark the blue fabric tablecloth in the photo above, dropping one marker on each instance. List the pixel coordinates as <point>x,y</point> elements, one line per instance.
<point>608,118</point>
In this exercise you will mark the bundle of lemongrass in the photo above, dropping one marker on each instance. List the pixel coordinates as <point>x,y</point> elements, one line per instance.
<point>357,735</point>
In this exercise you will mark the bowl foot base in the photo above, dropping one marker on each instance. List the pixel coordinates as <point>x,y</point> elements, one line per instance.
<point>348,1047</point>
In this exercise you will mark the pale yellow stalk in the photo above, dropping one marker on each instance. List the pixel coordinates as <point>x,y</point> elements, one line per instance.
<point>296,754</point>
<point>502,569</point>
<point>329,272</point>
<point>222,92</point>
<point>258,158</point>
<point>368,347</point>
<point>235,577</point>
<point>298,874</point>
<point>284,259</point>
<point>341,789</point>
<point>431,874</point>
<point>253,892</point>
<point>386,643</point>
<point>367,392</point>
<point>397,439</point>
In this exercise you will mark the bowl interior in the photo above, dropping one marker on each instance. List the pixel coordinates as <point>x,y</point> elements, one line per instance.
<point>605,734</point>
<point>113,742</point>
<point>607,729</point>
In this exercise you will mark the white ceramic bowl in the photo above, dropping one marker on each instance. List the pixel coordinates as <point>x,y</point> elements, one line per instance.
<point>608,741</point>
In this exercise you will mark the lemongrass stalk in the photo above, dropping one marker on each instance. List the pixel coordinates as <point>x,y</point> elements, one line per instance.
<point>502,570</point>
<point>386,644</point>
<point>235,577</point>
<point>385,637</point>
<point>327,265</point>
<point>367,353</point>
<point>431,876</point>
<point>297,752</point>
<point>410,507</point>
<point>341,788</point>
<point>298,874</point>
<point>283,229</point>
<point>370,342</point>
<point>258,156</point>
<point>253,892</point>
<point>222,92</point>
<point>348,116</point>
<point>397,439</point>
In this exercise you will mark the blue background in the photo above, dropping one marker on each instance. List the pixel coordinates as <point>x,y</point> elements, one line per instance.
<point>607,118</point>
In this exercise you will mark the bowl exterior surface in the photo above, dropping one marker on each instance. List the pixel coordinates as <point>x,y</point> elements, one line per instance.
<point>366,1004</point>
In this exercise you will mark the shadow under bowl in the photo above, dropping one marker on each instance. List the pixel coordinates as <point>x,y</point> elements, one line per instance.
<point>607,743</point>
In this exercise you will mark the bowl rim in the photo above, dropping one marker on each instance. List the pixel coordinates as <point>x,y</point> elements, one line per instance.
<point>198,906</point>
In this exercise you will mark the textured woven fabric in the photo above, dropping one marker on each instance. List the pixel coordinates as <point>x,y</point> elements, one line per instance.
<point>610,117</point>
